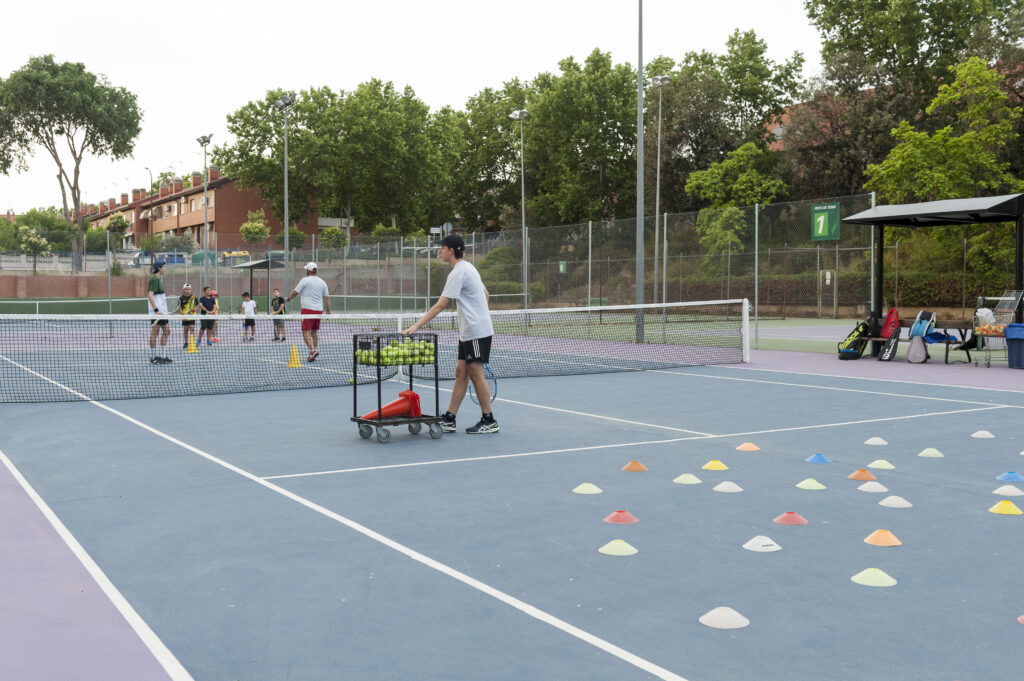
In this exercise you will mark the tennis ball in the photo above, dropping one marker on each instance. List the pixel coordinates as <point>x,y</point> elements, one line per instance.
<point>350,381</point>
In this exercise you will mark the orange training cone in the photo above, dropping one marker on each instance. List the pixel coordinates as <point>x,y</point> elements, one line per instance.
<point>407,404</point>
<point>882,538</point>
<point>634,467</point>
<point>862,474</point>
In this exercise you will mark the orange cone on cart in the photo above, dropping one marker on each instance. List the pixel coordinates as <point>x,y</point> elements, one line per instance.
<point>407,404</point>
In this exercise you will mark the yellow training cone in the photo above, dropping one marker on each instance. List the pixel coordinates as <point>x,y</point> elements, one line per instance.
<point>1006,507</point>
<point>586,488</point>
<point>882,538</point>
<point>930,453</point>
<point>191,344</point>
<point>811,484</point>
<point>748,447</point>
<point>715,465</point>
<point>881,463</point>
<point>873,577</point>
<point>687,479</point>
<point>293,361</point>
<point>617,547</point>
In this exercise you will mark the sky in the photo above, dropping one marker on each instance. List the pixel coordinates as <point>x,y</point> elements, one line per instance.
<point>193,63</point>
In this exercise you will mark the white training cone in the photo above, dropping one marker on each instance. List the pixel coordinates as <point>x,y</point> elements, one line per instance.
<point>1008,491</point>
<point>982,434</point>
<point>877,441</point>
<point>895,502</point>
<point>724,617</point>
<point>762,544</point>
<point>930,453</point>
<point>873,486</point>
<point>727,486</point>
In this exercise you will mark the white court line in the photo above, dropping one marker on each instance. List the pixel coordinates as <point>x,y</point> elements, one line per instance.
<point>629,444</point>
<point>826,387</point>
<point>160,652</point>
<point>859,378</point>
<point>522,606</point>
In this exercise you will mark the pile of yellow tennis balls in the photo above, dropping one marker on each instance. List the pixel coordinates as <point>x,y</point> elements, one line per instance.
<point>397,352</point>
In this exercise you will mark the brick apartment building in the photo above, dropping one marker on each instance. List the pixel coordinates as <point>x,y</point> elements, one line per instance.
<point>178,211</point>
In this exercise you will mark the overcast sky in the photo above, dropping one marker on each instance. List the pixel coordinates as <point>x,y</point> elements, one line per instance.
<point>192,63</point>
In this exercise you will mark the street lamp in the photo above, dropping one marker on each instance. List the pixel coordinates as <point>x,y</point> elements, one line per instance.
<point>520,116</point>
<point>283,104</point>
<point>151,235</point>
<point>659,82</point>
<point>203,141</point>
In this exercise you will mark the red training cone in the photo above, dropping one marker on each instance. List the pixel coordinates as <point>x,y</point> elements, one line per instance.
<point>790,518</point>
<point>407,404</point>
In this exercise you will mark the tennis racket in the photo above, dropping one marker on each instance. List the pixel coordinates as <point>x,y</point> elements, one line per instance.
<point>492,385</point>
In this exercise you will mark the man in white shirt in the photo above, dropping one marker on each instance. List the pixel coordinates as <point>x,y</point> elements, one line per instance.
<point>475,332</point>
<point>315,301</point>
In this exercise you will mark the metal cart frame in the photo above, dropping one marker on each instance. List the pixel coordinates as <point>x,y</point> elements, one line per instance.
<point>377,341</point>
<point>1003,308</point>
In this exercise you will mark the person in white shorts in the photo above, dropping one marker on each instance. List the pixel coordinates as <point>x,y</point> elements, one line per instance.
<point>475,331</point>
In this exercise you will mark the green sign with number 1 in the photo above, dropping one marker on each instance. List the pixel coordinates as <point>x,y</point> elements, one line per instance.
<point>825,222</point>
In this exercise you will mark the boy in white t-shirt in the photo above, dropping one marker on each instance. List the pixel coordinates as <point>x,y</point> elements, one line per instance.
<point>475,330</point>
<point>249,323</point>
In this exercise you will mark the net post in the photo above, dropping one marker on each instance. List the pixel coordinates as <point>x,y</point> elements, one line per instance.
<point>745,331</point>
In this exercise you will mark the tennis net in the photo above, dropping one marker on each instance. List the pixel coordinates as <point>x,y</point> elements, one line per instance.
<point>49,358</point>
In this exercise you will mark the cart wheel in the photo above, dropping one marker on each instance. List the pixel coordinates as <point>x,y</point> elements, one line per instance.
<point>365,431</point>
<point>435,430</point>
<point>383,435</point>
<point>415,428</point>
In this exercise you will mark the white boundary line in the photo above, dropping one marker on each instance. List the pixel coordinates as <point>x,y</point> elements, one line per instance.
<point>162,654</point>
<point>629,444</point>
<point>447,570</point>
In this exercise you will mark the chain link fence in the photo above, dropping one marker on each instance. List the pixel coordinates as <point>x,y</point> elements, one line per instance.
<point>767,254</point>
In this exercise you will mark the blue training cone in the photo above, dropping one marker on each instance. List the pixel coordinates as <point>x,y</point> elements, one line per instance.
<point>818,458</point>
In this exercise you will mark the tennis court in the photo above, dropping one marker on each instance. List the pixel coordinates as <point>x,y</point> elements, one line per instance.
<point>256,536</point>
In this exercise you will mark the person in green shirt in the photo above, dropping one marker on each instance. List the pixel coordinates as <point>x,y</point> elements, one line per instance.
<point>157,309</point>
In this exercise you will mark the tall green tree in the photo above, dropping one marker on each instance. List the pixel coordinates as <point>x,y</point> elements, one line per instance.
<point>70,113</point>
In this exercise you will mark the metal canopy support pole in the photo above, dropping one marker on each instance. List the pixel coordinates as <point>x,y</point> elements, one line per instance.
<point>1018,269</point>
<point>879,274</point>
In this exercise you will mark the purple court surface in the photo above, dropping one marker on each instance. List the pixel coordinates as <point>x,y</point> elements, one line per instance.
<point>255,536</point>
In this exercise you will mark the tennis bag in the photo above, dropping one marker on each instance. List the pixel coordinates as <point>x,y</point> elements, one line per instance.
<point>852,347</point>
<point>917,353</point>
<point>891,334</point>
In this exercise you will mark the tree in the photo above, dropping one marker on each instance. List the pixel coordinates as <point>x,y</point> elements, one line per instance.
<point>295,238</point>
<point>117,226</point>
<point>333,238</point>
<point>34,244</point>
<point>959,160</point>
<point>69,112</point>
<point>255,231</point>
<point>742,179</point>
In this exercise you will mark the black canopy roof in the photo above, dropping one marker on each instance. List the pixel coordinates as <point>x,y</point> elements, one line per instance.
<point>1005,208</point>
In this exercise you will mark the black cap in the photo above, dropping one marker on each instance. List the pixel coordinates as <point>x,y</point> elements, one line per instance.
<point>454,242</point>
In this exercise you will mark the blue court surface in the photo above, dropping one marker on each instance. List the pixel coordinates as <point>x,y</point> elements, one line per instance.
<point>256,536</point>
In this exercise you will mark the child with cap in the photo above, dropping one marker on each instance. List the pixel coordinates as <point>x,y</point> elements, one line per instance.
<point>207,304</point>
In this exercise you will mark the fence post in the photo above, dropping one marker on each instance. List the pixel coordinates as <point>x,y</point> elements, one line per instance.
<point>110,302</point>
<point>664,261</point>
<point>757,268</point>
<point>590,264</point>
<point>378,277</point>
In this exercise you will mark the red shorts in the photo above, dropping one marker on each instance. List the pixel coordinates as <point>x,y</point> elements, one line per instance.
<point>311,324</point>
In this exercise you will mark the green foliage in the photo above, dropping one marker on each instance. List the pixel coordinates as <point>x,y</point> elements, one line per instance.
<point>381,234</point>
<point>165,242</point>
<point>116,269</point>
<point>295,238</point>
<point>959,159</point>
<point>255,231</point>
<point>69,112</point>
<point>333,237</point>
<point>33,243</point>
<point>8,236</point>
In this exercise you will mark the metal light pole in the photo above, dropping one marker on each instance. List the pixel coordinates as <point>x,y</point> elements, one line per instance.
<point>640,172</point>
<point>659,82</point>
<point>283,104</point>
<point>203,141</point>
<point>520,116</point>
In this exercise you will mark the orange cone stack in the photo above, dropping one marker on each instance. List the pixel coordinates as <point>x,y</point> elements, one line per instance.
<point>407,404</point>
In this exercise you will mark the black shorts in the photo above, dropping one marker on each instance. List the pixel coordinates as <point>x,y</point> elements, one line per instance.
<point>250,322</point>
<point>278,322</point>
<point>206,324</point>
<point>476,350</point>
<point>158,322</point>
<point>188,322</point>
